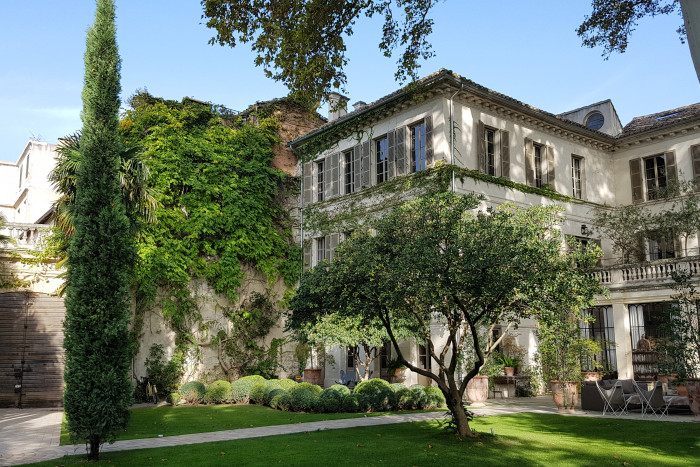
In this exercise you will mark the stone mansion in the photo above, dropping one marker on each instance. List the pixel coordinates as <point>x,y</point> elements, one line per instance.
<point>509,151</point>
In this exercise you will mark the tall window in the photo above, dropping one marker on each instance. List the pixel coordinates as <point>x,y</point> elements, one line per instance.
<point>649,320</point>
<point>490,151</point>
<point>418,147</point>
<point>602,330</point>
<point>538,165</point>
<point>576,176</point>
<point>349,162</point>
<point>662,247</point>
<point>319,181</point>
<point>350,361</point>
<point>382,154</point>
<point>424,360</point>
<point>320,249</point>
<point>655,174</point>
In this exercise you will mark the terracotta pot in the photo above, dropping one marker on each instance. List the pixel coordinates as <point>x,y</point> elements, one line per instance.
<point>693,387</point>
<point>565,395</point>
<point>682,390</point>
<point>313,376</point>
<point>509,370</point>
<point>592,375</point>
<point>478,390</point>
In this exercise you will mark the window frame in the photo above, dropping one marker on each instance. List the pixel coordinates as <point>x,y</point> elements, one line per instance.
<point>320,182</point>
<point>537,163</point>
<point>577,176</point>
<point>418,154</point>
<point>651,191</point>
<point>490,156</point>
<point>349,171</point>
<point>381,159</point>
<point>320,249</point>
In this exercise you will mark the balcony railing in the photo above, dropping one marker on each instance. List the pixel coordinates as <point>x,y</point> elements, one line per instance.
<point>648,273</point>
<point>25,236</point>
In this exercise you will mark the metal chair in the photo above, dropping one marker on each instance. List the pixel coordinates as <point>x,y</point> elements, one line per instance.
<point>614,399</point>
<point>654,400</point>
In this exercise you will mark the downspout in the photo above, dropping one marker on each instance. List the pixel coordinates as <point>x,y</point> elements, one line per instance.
<point>452,135</point>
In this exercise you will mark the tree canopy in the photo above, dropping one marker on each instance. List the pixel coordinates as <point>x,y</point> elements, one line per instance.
<point>435,263</point>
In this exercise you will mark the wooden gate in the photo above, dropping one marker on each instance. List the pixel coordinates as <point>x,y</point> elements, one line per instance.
<point>31,350</point>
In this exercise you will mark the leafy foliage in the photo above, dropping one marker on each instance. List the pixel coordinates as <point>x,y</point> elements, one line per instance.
<point>193,392</point>
<point>375,395</point>
<point>98,389</point>
<point>612,21</point>
<point>165,374</point>
<point>304,397</point>
<point>218,392</point>
<point>302,42</point>
<point>240,389</point>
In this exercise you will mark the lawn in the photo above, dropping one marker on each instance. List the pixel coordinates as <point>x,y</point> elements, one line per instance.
<point>150,422</point>
<point>525,439</point>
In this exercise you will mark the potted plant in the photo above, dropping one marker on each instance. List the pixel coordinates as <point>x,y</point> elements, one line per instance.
<point>508,364</point>
<point>396,370</point>
<point>591,368</point>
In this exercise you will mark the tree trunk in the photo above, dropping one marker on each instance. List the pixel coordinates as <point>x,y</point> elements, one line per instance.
<point>460,417</point>
<point>94,449</point>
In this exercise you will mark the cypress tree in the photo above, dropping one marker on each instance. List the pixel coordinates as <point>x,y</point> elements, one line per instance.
<point>100,256</point>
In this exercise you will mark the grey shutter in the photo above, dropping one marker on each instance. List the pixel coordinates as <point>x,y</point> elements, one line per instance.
<point>695,155</point>
<point>400,151</point>
<point>529,162</point>
<point>391,141</point>
<point>550,167</point>
<point>356,154</point>
<point>365,165</point>
<point>327,248</point>
<point>481,146</point>
<point>327,178</point>
<point>308,183</point>
<point>333,245</point>
<point>429,155</point>
<point>671,172</point>
<point>307,255</point>
<point>335,181</point>
<point>583,178</point>
<point>505,154</point>
<point>636,179</point>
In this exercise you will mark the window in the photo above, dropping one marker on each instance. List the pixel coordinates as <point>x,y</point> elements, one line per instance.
<point>649,320</point>
<point>490,135</point>
<point>577,176</point>
<point>418,147</point>
<point>382,159</point>
<point>385,355</point>
<point>595,120</point>
<point>655,174</point>
<point>320,186</point>
<point>538,165</point>
<point>350,361</point>
<point>493,151</point>
<point>602,330</point>
<point>662,247</point>
<point>320,249</point>
<point>349,165</point>
<point>424,360</point>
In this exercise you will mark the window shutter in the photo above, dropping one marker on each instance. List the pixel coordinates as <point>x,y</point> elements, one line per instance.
<point>327,248</point>
<point>583,178</point>
<point>333,245</point>
<point>529,162</point>
<point>671,172</point>
<point>505,154</point>
<point>308,183</point>
<point>550,168</point>
<point>307,255</point>
<point>357,157</point>
<point>365,165</point>
<point>481,146</point>
<point>636,179</point>
<point>400,151</point>
<point>429,156</point>
<point>391,141</point>
<point>695,156</point>
<point>335,181</point>
<point>327,182</point>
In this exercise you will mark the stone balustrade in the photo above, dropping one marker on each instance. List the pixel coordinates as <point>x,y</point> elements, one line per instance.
<point>25,236</point>
<point>648,273</point>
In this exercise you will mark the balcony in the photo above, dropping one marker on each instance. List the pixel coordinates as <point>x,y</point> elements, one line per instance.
<point>645,275</point>
<point>25,236</point>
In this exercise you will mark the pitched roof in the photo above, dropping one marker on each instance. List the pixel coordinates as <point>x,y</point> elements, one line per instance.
<point>660,120</point>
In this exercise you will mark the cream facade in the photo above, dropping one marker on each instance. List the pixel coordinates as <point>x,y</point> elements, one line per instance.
<point>581,160</point>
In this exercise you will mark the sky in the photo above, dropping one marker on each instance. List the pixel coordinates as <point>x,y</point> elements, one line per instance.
<point>527,50</point>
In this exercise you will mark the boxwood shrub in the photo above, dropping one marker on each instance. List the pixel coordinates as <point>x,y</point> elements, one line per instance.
<point>329,401</point>
<point>282,401</point>
<point>304,397</point>
<point>404,398</point>
<point>350,404</point>
<point>257,393</point>
<point>375,395</point>
<point>271,385</point>
<point>420,398</point>
<point>435,398</point>
<point>286,383</point>
<point>218,392</point>
<point>193,392</point>
<point>240,389</point>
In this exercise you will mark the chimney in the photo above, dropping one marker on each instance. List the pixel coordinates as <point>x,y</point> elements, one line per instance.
<point>337,106</point>
<point>359,105</point>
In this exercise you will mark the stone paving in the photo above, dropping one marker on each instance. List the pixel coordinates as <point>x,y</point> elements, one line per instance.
<point>32,435</point>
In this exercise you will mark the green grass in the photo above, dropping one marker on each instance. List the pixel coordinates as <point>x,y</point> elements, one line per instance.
<point>149,422</point>
<point>525,439</point>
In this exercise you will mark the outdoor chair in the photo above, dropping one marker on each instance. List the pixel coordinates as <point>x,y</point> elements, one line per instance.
<point>614,399</point>
<point>346,378</point>
<point>654,401</point>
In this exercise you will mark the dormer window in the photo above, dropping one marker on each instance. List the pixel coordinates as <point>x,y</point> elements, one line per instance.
<point>595,120</point>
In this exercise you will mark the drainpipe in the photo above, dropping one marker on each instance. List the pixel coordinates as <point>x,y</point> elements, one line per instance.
<point>452,134</point>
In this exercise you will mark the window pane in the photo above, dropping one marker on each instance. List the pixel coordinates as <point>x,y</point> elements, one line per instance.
<point>418,147</point>
<point>490,152</point>
<point>382,147</point>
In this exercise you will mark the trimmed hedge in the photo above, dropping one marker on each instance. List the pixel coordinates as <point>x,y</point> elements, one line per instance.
<point>218,392</point>
<point>329,401</point>
<point>304,397</point>
<point>350,404</point>
<point>240,389</point>
<point>375,395</point>
<point>286,383</point>
<point>435,398</point>
<point>271,385</point>
<point>257,393</point>
<point>193,392</point>
<point>281,401</point>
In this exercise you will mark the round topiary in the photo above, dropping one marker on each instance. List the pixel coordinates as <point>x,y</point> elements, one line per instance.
<point>240,389</point>
<point>257,394</point>
<point>316,389</point>
<point>193,392</point>
<point>404,398</point>
<point>420,399</point>
<point>271,385</point>
<point>435,397</point>
<point>304,397</point>
<point>287,383</point>
<point>375,395</point>
<point>349,404</point>
<point>218,392</point>
<point>281,401</point>
<point>341,388</point>
<point>329,400</point>
<point>397,386</point>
